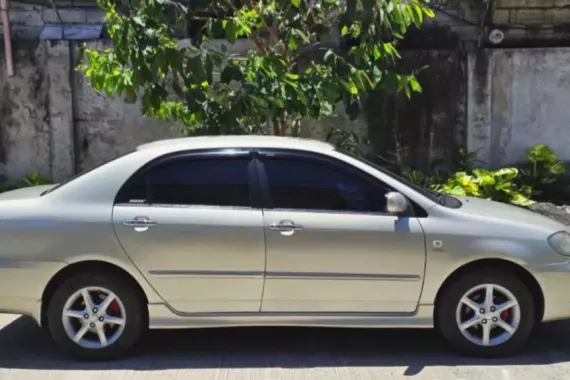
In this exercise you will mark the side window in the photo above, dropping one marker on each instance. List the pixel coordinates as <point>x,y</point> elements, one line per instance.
<point>312,185</point>
<point>211,182</point>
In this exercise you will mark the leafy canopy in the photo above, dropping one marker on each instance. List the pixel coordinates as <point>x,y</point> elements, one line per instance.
<point>297,70</point>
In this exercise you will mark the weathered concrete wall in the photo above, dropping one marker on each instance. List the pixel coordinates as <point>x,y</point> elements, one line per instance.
<point>517,99</point>
<point>427,130</point>
<point>53,122</point>
<point>531,12</point>
<point>500,102</point>
<point>24,112</point>
<point>106,127</point>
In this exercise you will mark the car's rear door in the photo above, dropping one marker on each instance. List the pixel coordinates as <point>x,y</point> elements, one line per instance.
<point>189,223</point>
<point>331,245</point>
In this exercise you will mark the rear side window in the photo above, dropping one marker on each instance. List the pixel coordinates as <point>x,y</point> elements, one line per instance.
<point>313,185</point>
<point>206,182</point>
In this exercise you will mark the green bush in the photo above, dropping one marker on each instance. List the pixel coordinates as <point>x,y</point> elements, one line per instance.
<point>542,171</point>
<point>497,185</point>
<point>502,185</point>
<point>32,179</point>
<point>543,166</point>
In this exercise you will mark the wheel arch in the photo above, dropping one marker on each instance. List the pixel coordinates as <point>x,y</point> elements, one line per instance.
<point>83,267</point>
<point>523,274</point>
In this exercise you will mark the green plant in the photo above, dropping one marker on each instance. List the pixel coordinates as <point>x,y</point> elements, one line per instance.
<point>466,160</point>
<point>419,178</point>
<point>497,185</point>
<point>542,167</point>
<point>294,72</point>
<point>349,141</point>
<point>32,179</point>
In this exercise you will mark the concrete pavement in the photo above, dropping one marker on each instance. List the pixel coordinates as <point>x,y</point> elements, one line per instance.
<point>26,353</point>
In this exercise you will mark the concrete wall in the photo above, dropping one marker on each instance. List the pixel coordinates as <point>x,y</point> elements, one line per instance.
<point>516,99</point>
<point>531,12</point>
<point>106,127</point>
<point>25,135</point>
<point>52,122</point>
<point>426,131</point>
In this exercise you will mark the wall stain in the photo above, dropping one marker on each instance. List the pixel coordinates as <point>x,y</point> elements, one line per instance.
<point>426,131</point>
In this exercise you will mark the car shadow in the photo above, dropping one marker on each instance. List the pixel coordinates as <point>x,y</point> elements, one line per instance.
<point>25,346</point>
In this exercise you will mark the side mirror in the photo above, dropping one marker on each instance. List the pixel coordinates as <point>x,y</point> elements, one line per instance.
<point>396,203</point>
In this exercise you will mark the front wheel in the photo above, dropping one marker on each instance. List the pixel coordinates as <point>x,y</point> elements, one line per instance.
<point>96,316</point>
<point>487,313</point>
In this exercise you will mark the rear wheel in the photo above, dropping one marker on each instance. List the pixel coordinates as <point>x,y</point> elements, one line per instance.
<point>486,313</point>
<point>96,316</point>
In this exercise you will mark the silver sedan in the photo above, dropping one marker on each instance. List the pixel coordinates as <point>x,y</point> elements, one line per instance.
<point>241,231</point>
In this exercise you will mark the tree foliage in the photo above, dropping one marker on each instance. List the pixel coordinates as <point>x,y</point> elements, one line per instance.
<point>297,70</point>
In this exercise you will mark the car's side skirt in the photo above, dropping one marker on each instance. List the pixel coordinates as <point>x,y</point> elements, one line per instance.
<point>163,317</point>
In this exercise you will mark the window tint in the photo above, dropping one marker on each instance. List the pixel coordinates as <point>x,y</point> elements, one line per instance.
<point>217,182</point>
<point>312,185</point>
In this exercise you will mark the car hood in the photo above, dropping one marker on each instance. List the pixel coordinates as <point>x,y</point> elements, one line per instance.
<point>25,192</point>
<point>509,213</point>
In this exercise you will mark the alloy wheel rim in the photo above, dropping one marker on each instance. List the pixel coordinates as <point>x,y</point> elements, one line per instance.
<point>94,317</point>
<point>488,315</point>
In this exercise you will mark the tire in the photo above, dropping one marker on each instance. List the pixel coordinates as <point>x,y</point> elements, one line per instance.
<point>448,315</point>
<point>129,307</point>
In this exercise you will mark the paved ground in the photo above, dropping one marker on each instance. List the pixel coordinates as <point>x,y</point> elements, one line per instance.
<point>282,353</point>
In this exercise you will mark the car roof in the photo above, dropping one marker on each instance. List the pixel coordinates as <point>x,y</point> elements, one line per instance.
<point>238,141</point>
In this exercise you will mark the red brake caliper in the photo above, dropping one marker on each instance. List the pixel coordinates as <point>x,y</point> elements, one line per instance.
<point>505,315</point>
<point>114,307</point>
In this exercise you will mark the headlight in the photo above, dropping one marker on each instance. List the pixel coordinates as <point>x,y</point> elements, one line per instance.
<point>560,242</point>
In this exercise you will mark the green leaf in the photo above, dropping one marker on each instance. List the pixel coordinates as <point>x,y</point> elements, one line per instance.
<point>292,44</point>
<point>259,101</point>
<point>232,31</point>
<point>301,34</point>
<point>376,52</point>
<point>415,84</point>
<point>428,12</point>
<point>278,102</point>
<point>296,3</point>
<point>349,86</point>
<point>291,83</point>
<point>110,84</point>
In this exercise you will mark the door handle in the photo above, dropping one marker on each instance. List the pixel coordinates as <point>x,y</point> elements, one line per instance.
<point>140,223</point>
<point>286,227</point>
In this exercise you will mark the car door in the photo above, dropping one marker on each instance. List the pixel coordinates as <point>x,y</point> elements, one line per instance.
<point>188,222</point>
<point>331,245</point>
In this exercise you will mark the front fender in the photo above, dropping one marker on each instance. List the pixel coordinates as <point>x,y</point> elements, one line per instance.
<point>442,263</point>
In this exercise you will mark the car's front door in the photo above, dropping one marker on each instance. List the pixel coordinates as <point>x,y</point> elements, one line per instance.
<point>331,245</point>
<point>188,223</point>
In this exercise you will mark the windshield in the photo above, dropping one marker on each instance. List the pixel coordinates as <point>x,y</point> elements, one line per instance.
<point>442,199</point>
